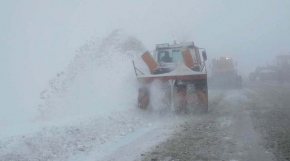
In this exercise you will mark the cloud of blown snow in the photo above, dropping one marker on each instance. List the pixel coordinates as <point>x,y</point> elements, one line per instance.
<point>99,80</point>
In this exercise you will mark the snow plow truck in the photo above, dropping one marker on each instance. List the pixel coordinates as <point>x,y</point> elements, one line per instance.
<point>279,72</point>
<point>266,73</point>
<point>180,71</point>
<point>224,73</point>
<point>283,65</point>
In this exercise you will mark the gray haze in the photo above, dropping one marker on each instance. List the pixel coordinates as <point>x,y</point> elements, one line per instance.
<point>38,38</point>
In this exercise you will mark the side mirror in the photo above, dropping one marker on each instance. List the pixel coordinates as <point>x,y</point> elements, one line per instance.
<point>204,55</point>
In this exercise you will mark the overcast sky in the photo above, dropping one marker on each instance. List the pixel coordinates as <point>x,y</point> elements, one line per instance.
<point>38,38</point>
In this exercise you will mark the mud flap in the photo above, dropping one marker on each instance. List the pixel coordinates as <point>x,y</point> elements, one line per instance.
<point>181,99</point>
<point>143,97</point>
<point>202,93</point>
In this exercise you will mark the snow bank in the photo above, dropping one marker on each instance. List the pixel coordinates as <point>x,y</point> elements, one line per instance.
<point>73,139</point>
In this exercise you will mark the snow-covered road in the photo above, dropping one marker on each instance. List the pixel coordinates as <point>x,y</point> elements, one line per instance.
<point>243,124</point>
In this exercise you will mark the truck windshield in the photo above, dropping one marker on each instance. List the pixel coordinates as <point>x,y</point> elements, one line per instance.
<point>174,54</point>
<point>169,55</point>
